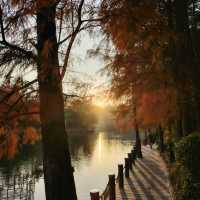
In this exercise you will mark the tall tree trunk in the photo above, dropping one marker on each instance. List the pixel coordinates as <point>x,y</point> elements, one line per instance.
<point>138,142</point>
<point>179,130</point>
<point>58,171</point>
<point>135,124</point>
<point>169,9</point>
<point>161,139</point>
<point>197,106</point>
<point>187,125</point>
<point>145,137</point>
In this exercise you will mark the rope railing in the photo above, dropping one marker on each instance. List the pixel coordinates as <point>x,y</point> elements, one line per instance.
<point>110,191</point>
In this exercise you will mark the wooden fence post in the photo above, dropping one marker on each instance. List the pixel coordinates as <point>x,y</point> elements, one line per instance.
<point>94,194</point>
<point>127,167</point>
<point>121,176</point>
<point>112,194</point>
<point>133,156</point>
<point>135,152</point>
<point>130,161</point>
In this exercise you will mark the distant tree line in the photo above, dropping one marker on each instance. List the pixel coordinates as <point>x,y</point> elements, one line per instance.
<point>81,115</point>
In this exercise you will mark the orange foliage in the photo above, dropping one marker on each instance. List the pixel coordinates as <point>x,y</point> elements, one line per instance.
<point>34,107</point>
<point>124,124</point>
<point>2,131</point>
<point>12,115</point>
<point>12,146</point>
<point>157,106</point>
<point>124,120</point>
<point>30,136</point>
<point>138,69</point>
<point>132,23</point>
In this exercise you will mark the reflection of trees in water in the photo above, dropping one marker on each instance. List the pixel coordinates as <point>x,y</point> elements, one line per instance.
<point>18,187</point>
<point>18,177</point>
<point>82,145</point>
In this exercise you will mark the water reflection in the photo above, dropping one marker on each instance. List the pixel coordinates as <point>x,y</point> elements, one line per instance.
<point>107,152</point>
<point>94,156</point>
<point>21,186</point>
<point>82,145</point>
<point>100,144</point>
<point>19,176</point>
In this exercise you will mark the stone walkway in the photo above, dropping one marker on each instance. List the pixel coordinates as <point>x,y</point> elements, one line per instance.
<point>148,180</point>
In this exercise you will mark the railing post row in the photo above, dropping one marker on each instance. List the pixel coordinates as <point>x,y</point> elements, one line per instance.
<point>135,151</point>
<point>130,161</point>
<point>112,191</point>
<point>126,167</point>
<point>120,176</point>
<point>133,156</point>
<point>94,195</point>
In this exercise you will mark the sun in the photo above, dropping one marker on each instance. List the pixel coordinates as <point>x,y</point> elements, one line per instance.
<point>99,103</point>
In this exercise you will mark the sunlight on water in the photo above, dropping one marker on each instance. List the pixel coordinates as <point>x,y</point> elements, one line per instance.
<point>94,157</point>
<point>39,190</point>
<point>107,153</point>
<point>100,144</point>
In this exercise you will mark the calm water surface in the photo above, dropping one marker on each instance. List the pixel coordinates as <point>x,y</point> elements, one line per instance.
<point>94,156</point>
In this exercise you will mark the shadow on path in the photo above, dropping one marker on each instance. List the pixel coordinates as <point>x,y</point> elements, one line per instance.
<point>148,180</point>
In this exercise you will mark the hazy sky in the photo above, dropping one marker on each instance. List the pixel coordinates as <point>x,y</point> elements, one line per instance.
<point>86,66</point>
<point>82,62</point>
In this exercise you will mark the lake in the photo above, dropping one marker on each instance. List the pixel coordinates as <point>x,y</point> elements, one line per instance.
<point>94,156</point>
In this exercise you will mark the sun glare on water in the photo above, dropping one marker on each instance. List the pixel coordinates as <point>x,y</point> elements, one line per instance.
<point>100,144</point>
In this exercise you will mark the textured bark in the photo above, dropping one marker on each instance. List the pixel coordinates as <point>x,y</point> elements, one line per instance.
<point>58,171</point>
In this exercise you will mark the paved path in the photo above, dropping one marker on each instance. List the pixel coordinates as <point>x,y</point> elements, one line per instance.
<point>148,180</point>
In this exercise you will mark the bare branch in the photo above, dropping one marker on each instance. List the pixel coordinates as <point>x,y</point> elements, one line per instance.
<point>18,100</point>
<point>66,96</point>
<point>61,23</point>
<point>1,24</point>
<point>85,27</point>
<point>72,16</point>
<point>65,39</point>
<point>94,19</point>
<point>72,39</point>
<point>7,96</point>
<point>71,35</point>
<point>28,54</point>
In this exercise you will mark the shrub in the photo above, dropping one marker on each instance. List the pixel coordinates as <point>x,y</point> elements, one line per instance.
<point>170,151</point>
<point>186,175</point>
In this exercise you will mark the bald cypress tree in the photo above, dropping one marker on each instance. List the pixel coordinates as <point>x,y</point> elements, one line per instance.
<point>39,35</point>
